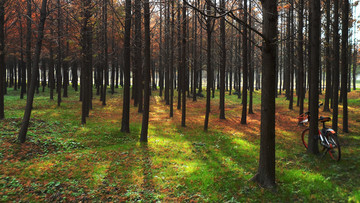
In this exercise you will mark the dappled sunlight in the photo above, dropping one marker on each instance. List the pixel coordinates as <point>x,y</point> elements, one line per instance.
<point>178,163</point>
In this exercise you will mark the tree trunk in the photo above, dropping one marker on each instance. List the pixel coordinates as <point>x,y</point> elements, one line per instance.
<point>126,98</point>
<point>209,30</point>
<point>171,82</point>
<point>59,57</point>
<point>336,67</point>
<point>222,61</point>
<point>301,57</point>
<point>266,171</point>
<point>327,58</point>
<point>355,66</point>
<point>315,19</point>
<point>245,68</point>
<point>105,50</point>
<point>145,120</point>
<point>86,68</point>
<point>184,66</point>
<point>35,69</point>
<point>138,54</point>
<point>344,62</point>
<point>28,42</point>
<point>2,59</point>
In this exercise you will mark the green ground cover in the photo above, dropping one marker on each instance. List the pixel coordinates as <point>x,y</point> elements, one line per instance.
<point>65,161</point>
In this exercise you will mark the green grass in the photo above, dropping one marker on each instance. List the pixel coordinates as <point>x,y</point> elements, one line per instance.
<point>65,161</point>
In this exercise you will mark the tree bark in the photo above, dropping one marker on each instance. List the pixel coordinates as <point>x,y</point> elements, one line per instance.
<point>145,120</point>
<point>138,54</point>
<point>222,61</point>
<point>301,57</point>
<point>336,66</point>
<point>209,30</point>
<point>2,59</point>
<point>35,70</point>
<point>344,62</point>
<point>245,68</point>
<point>315,19</point>
<point>327,58</point>
<point>266,171</point>
<point>86,68</point>
<point>125,126</point>
<point>184,66</point>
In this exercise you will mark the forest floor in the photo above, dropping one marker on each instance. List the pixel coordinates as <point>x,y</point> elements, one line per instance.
<point>65,161</point>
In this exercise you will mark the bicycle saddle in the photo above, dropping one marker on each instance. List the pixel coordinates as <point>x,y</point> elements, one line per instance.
<point>324,119</point>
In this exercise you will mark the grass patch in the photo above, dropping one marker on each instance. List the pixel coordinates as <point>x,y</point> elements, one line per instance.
<point>63,160</point>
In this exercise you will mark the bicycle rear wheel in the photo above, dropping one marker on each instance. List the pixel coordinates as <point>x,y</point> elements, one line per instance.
<point>335,150</point>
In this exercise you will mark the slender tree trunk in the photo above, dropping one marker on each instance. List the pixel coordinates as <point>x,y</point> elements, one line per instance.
<point>86,68</point>
<point>266,171</point>
<point>344,62</point>
<point>245,68</point>
<point>251,64</point>
<point>105,64</point>
<point>125,127</point>
<point>171,82</point>
<point>327,58</point>
<point>195,56</point>
<point>222,61</point>
<point>35,69</point>
<point>138,53</point>
<point>2,58</point>
<point>336,66</point>
<point>184,65</point>
<point>209,30</point>
<point>161,66</point>
<point>314,74</point>
<point>22,64</point>
<point>355,66</point>
<point>179,74</point>
<point>145,121</point>
<point>291,67</point>
<point>28,41</point>
<point>51,67</point>
<point>59,56</point>
<point>301,57</point>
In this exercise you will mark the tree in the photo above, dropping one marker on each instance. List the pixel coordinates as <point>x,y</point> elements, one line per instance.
<point>335,62</point>
<point>245,67</point>
<point>327,58</point>
<point>145,120</point>
<point>2,58</point>
<point>315,19</point>
<point>355,66</point>
<point>105,52</point>
<point>35,70</point>
<point>184,66</point>
<point>171,79</point>
<point>28,41</point>
<point>125,125</point>
<point>59,54</point>
<point>86,68</point>
<point>300,54</point>
<point>344,62</point>
<point>138,54</point>
<point>209,30</point>
<point>266,171</point>
<point>222,61</point>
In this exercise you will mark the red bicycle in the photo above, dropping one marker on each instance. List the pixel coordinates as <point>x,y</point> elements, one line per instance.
<point>327,138</point>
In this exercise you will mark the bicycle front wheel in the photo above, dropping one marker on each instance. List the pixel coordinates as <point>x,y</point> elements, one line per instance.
<point>335,150</point>
<point>305,137</point>
<point>305,140</point>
